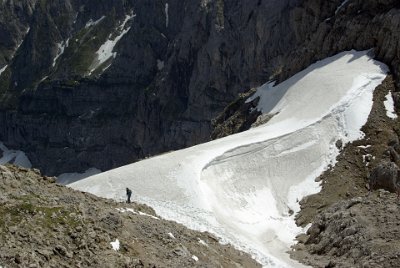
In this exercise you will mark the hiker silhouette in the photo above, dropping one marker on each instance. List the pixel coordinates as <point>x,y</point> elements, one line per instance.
<point>128,194</point>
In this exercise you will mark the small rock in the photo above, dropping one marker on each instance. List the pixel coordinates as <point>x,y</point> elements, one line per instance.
<point>290,212</point>
<point>37,171</point>
<point>45,253</point>
<point>302,238</point>
<point>61,250</point>
<point>339,144</point>
<point>384,176</point>
<point>50,179</point>
<point>92,234</point>
<point>17,259</point>
<point>181,251</point>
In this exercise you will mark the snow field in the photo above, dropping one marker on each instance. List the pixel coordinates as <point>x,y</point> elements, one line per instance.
<point>67,178</point>
<point>60,50</point>
<point>242,187</point>
<point>389,105</point>
<point>14,157</point>
<point>3,69</point>
<point>341,6</point>
<point>105,51</point>
<point>91,23</point>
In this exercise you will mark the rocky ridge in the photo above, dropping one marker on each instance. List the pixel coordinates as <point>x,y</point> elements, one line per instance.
<point>43,224</point>
<point>360,232</point>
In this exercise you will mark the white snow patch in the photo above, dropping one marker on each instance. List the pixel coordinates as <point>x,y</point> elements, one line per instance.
<point>166,15</point>
<point>23,38</point>
<point>123,210</point>
<point>365,157</point>
<point>75,18</point>
<point>160,65</point>
<point>341,6</point>
<point>241,187</point>
<point>389,105</point>
<point>3,69</point>
<point>171,235</point>
<point>91,23</point>
<point>115,245</point>
<point>13,157</point>
<point>105,51</point>
<point>364,146</point>
<point>195,258</point>
<point>44,78</point>
<point>67,178</point>
<point>108,66</point>
<point>61,48</point>
<point>148,215</point>
<point>201,242</point>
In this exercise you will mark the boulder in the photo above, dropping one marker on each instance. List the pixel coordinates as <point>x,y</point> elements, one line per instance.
<point>385,176</point>
<point>396,98</point>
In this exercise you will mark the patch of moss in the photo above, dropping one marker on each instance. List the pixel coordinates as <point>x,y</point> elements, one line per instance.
<point>49,216</point>
<point>43,4</point>
<point>149,88</point>
<point>220,17</point>
<point>27,198</point>
<point>83,46</point>
<point>71,83</point>
<point>5,79</point>
<point>100,69</point>
<point>9,101</point>
<point>54,216</point>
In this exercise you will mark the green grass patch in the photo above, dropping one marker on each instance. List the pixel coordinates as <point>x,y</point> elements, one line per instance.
<point>43,216</point>
<point>82,48</point>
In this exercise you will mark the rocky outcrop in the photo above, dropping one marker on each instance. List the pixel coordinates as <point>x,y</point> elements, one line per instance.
<point>168,79</point>
<point>385,176</point>
<point>43,224</point>
<point>360,232</point>
<point>14,23</point>
<point>236,117</point>
<point>169,75</point>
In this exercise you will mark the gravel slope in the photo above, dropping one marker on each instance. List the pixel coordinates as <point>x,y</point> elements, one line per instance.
<point>43,224</point>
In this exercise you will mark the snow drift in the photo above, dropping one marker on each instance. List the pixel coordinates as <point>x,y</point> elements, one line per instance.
<point>241,187</point>
<point>15,157</point>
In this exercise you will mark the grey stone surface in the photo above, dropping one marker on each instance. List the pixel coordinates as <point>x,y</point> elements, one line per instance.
<point>385,176</point>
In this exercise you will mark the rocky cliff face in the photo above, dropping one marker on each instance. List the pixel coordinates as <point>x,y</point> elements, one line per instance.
<point>101,84</point>
<point>324,28</point>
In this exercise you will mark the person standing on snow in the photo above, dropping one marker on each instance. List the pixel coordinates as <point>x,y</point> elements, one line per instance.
<point>128,194</point>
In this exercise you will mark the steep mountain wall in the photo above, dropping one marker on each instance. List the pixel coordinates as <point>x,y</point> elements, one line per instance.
<point>70,102</point>
<point>322,30</point>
